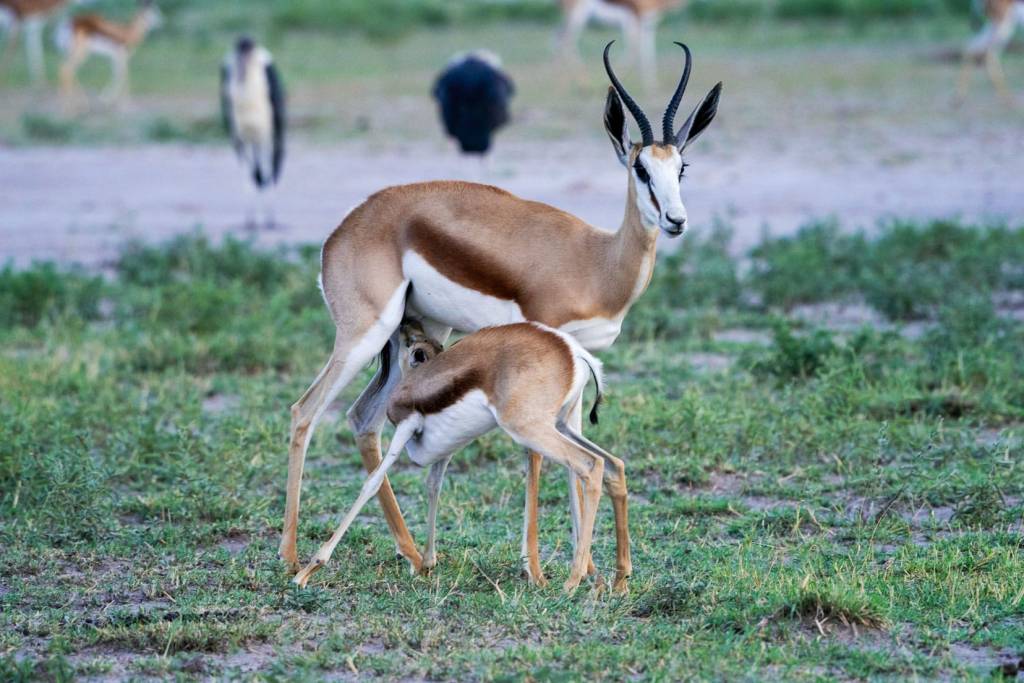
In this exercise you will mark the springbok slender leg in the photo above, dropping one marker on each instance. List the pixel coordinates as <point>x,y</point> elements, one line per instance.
<point>367,416</point>
<point>351,354</point>
<point>568,38</point>
<point>615,485</point>
<point>994,66</point>
<point>11,40</point>
<point>370,487</point>
<point>575,489</point>
<point>587,467</point>
<point>434,481</point>
<point>34,50</point>
<point>647,29</point>
<point>964,80</point>
<point>530,551</point>
<point>114,91</point>
<point>77,53</point>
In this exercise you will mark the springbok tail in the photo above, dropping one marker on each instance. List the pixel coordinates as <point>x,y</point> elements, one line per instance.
<point>595,368</point>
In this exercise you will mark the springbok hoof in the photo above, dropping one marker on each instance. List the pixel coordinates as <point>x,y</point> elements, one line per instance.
<point>302,578</point>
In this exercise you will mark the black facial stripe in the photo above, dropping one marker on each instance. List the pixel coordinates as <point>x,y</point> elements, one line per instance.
<point>654,199</point>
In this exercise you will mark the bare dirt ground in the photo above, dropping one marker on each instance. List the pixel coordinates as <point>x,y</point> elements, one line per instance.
<point>80,204</point>
<point>859,130</point>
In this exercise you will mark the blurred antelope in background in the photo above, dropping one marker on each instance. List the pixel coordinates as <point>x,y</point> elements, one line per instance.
<point>1002,17</point>
<point>465,256</point>
<point>32,15</point>
<point>637,18</point>
<point>525,378</point>
<point>88,34</point>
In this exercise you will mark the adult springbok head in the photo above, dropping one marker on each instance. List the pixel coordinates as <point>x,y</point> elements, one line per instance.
<point>656,168</point>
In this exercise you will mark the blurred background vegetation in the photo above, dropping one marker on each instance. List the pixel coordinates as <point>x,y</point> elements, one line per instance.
<point>389,19</point>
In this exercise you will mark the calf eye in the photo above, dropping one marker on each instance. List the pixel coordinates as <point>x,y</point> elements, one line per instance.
<point>418,356</point>
<point>641,172</point>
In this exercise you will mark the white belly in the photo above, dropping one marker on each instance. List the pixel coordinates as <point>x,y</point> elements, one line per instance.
<point>607,13</point>
<point>105,47</point>
<point>594,334</point>
<point>445,432</point>
<point>461,308</point>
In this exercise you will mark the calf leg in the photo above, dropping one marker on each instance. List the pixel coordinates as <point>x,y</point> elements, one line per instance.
<point>587,467</point>
<point>434,482</point>
<point>615,485</point>
<point>530,552</point>
<point>351,353</point>
<point>403,433</point>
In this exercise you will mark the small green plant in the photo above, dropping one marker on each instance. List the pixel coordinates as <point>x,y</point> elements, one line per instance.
<point>839,605</point>
<point>30,296</point>
<point>792,356</point>
<point>44,128</point>
<point>819,263</point>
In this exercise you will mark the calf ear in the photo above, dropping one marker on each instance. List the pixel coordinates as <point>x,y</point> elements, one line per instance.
<point>702,116</point>
<point>615,126</point>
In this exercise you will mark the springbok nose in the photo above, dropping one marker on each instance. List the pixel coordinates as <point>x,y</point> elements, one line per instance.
<point>679,221</point>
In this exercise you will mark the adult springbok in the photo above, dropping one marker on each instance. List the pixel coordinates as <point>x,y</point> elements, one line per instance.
<point>1002,17</point>
<point>465,256</point>
<point>637,18</point>
<point>525,378</point>
<point>94,34</point>
<point>32,15</point>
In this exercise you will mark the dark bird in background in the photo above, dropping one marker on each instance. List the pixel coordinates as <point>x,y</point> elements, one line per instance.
<point>473,94</point>
<point>252,104</point>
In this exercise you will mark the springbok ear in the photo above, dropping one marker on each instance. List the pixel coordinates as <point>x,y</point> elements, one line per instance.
<point>700,119</point>
<point>615,126</point>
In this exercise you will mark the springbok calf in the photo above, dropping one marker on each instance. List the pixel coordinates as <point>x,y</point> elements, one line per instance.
<point>525,378</point>
<point>419,348</point>
<point>466,256</point>
<point>1002,17</point>
<point>91,33</point>
<point>32,14</point>
<point>637,18</point>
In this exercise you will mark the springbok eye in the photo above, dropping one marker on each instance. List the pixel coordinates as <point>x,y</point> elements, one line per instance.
<point>682,169</point>
<point>418,356</point>
<point>641,172</point>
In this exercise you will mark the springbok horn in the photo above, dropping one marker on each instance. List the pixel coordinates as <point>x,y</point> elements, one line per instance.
<point>634,109</point>
<point>667,123</point>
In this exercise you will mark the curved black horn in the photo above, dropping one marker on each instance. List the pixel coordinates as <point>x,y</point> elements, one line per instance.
<point>668,122</point>
<point>638,114</point>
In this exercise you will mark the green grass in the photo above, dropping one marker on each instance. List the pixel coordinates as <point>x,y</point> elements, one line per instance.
<point>825,503</point>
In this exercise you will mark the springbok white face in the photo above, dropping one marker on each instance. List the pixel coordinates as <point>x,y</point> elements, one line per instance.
<point>656,168</point>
